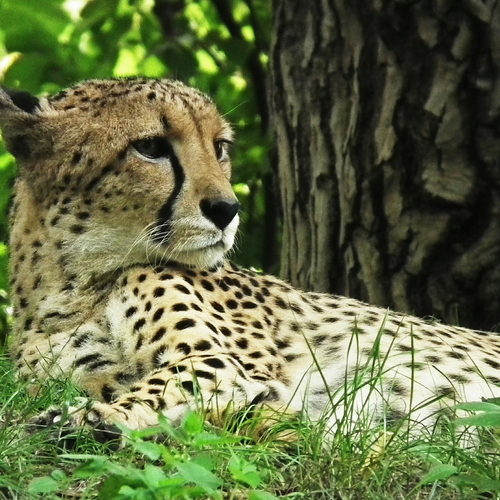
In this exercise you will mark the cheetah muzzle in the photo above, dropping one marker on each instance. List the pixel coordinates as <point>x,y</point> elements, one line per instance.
<point>122,218</point>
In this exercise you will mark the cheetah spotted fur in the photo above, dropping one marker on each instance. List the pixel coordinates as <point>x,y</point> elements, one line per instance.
<point>122,217</point>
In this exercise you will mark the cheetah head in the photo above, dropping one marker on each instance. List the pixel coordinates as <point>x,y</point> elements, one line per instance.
<point>124,171</point>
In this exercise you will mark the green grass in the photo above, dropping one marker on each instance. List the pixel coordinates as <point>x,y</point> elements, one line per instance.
<point>199,461</point>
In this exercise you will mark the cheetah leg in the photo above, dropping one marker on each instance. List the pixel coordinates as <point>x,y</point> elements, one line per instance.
<point>190,385</point>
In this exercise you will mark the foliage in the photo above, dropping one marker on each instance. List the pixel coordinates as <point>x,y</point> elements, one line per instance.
<point>218,46</point>
<point>189,466</point>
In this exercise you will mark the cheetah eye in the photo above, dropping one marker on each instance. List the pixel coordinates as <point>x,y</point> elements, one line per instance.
<point>221,149</point>
<point>153,147</point>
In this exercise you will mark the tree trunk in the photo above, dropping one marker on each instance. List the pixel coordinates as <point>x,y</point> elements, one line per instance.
<point>387,120</point>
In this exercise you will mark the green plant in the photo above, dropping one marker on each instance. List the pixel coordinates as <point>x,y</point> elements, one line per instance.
<point>189,463</point>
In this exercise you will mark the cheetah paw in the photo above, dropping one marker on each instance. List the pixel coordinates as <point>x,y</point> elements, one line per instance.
<point>67,424</point>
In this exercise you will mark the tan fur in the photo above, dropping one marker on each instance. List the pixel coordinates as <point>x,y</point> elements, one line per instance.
<point>146,316</point>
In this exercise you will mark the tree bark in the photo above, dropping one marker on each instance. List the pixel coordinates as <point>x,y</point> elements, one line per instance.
<point>387,122</point>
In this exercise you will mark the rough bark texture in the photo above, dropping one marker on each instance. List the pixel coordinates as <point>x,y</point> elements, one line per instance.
<point>387,117</point>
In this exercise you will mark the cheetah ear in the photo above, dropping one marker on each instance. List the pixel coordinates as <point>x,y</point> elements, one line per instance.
<point>20,99</point>
<point>20,120</point>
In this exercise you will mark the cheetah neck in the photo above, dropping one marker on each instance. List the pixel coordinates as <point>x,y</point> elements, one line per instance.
<point>50,292</point>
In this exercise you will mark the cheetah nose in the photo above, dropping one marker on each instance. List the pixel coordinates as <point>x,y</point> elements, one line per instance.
<point>220,212</point>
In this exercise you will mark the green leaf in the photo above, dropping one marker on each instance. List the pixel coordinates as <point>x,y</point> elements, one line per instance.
<point>237,50</point>
<point>205,460</point>
<point>438,473</point>
<point>152,450</point>
<point>193,424</point>
<point>486,419</point>
<point>153,476</point>
<point>90,469</point>
<point>98,466</point>
<point>244,471</point>
<point>111,487</point>
<point>480,483</point>
<point>199,475</point>
<point>43,485</point>
<point>495,401</point>
<point>261,495</point>
<point>210,439</point>
<point>478,406</point>
<point>58,475</point>
<point>489,415</point>
<point>96,10</point>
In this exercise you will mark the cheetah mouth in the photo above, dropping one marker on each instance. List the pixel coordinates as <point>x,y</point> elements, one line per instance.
<point>202,254</point>
<point>192,243</point>
<point>218,245</point>
<point>200,248</point>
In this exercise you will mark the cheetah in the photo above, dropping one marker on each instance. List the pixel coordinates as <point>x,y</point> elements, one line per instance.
<point>122,219</point>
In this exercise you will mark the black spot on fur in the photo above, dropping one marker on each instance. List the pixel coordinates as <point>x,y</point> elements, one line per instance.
<point>108,394</point>
<point>182,289</point>
<point>433,359</point>
<point>188,386</point>
<point>249,305</point>
<point>138,344</point>
<point>156,381</point>
<point>282,344</point>
<point>77,229</point>
<point>204,374</point>
<point>457,355</point>
<point>139,323</point>
<point>184,348</point>
<point>225,331</point>
<point>80,340</point>
<point>177,369</point>
<point>281,303</point>
<point>214,363</point>
<point>203,345</point>
<point>179,307</point>
<point>211,326</point>
<point>207,285</point>
<point>158,314</point>
<point>491,362</point>
<point>242,343</point>
<point>185,323</point>
<point>89,358</point>
<point>217,306</point>
<point>159,334</point>
<point>398,388</point>
<point>130,311</point>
